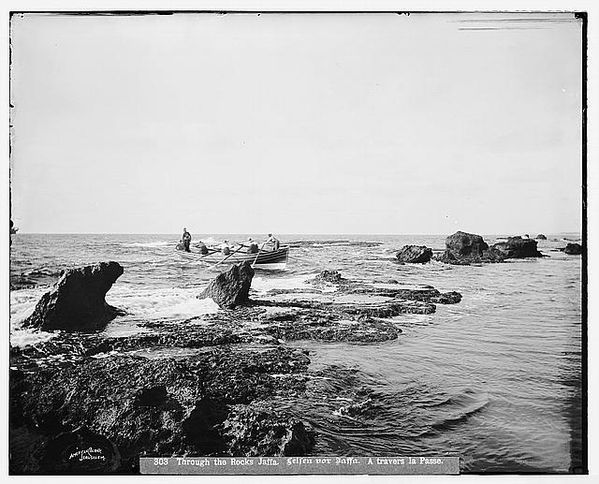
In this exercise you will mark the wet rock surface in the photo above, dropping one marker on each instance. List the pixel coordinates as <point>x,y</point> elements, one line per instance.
<point>76,302</point>
<point>415,254</point>
<point>231,288</point>
<point>200,386</point>
<point>518,248</point>
<point>572,249</point>
<point>463,248</point>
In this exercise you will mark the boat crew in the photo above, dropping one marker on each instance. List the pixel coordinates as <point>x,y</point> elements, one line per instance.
<point>186,239</point>
<point>274,241</point>
<point>225,248</point>
<point>253,246</point>
<point>203,248</point>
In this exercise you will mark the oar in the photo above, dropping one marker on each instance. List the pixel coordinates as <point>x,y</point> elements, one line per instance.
<point>259,250</point>
<point>223,260</point>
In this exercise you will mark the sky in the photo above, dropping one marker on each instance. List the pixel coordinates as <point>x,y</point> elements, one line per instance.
<point>296,123</point>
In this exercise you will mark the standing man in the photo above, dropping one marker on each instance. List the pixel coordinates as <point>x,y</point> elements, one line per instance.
<point>274,241</point>
<point>186,239</point>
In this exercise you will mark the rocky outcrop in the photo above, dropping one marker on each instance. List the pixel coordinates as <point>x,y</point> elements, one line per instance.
<point>541,237</point>
<point>414,254</point>
<point>210,403</point>
<point>572,249</point>
<point>463,248</point>
<point>76,302</point>
<point>518,248</point>
<point>231,288</point>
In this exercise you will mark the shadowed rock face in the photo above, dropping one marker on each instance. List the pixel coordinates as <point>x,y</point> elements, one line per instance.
<point>518,248</point>
<point>231,288</point>
<point>572,249</point>
<point>463,248</point>
<point>541,237</point>
<point>76,302</point>
<point>414,254</point>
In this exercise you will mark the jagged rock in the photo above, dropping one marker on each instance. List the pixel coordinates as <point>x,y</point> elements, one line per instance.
<point>572,249</point>
<point>463,248</point>
<point>541,237</point>
<point>76,301</point>
<point>518,248</point>
<point>159,406</point>
<point>414,254</point>
<point>231,288</point>
<point>259,430</point>
<point>328,277</point>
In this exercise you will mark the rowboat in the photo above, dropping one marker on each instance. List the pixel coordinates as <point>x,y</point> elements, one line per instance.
<point>265,259</point>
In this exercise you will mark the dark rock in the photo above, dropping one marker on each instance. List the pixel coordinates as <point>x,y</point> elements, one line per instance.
<point>80,451</point>
<point>76,302</point>
<point>465,249</point>
<point>231,288</point>
<point>463,244</point>
<point>518,248</point>
<point>572,249</point>
<point>541,237</point>
<point>262,431</point>
<point>415,254</point>
<point>328,277</point>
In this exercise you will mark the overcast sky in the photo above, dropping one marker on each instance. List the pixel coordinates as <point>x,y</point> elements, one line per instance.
<point>369,123</point>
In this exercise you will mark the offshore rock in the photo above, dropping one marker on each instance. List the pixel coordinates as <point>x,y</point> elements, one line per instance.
<point>76,301</point>
<point>463,248</point>
<point>415,254</point>
<point>572,249</point>
<point>541,237</point>
<point>518,248</point>
<point>231,288</point>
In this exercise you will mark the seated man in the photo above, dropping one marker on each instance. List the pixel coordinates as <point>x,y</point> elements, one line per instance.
<point>225,248</point>
<point>253,247</point>
<point>274,241</point>
<point>203,248</point>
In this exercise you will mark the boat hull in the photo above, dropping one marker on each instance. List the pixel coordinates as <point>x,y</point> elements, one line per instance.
<point>267,259</point>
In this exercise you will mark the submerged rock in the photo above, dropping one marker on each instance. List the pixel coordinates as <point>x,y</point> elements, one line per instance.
<point>76,302</point>
<point>415,254</point>
<point>518,248</point>
<point>572,249</point>
<point>541,237</point>
<point>231,288</point>
<point>463,248</point>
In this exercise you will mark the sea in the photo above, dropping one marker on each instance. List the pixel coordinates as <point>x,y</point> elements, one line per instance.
<point>495,379</point>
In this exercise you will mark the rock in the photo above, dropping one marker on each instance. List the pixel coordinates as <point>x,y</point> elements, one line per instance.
<point>518,248</point>
<point>80,451</point>
<point>541,237</point>
<point>463,248</point>
<point>76,301</point>
<point>415,254</point>
<point>231,288</point>
<point>159,406</point>
<point>261,431</point>
<point>572,249</point>
<point>328,277</point>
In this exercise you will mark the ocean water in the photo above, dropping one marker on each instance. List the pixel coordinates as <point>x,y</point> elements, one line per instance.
<point>495,379</point>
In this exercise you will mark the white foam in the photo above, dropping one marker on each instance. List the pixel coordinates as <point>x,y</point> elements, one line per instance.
<point>264,284</point>
<point>25,337</point>
<point>165,303</point>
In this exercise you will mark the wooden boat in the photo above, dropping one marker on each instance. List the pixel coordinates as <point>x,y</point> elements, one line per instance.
<point>265,259</point>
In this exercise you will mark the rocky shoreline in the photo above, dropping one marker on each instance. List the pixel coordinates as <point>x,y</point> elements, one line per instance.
<point>200,386</point>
